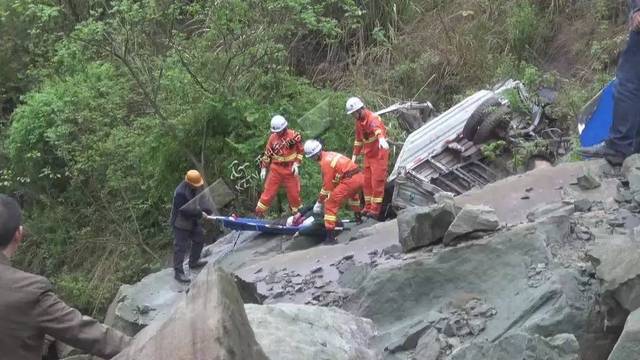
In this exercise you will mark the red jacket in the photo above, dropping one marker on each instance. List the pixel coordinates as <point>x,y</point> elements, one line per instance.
<point>283,149</point>
<point>368,131</point>
<point>333,167</point>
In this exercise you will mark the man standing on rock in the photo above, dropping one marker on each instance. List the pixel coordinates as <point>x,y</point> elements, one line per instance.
<point>624,135</point>
<point>282,156</point>
<point>342,181</point>
<point>185,221</point>
<point>371,141</point>
<point>29,309</point>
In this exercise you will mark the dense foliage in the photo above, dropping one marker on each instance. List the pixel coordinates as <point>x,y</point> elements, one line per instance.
<point>105,104</point>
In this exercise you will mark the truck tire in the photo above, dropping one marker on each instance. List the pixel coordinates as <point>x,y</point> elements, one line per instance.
<point>477,117</point>
<point>490,128</point>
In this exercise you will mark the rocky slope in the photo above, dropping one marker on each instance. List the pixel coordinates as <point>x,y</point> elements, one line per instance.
<point>537,266</point>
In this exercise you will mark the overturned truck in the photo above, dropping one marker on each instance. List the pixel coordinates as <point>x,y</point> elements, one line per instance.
<point>444,155</point>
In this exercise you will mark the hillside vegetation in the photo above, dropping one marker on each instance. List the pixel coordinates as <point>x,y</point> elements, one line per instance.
<point>106,104</point>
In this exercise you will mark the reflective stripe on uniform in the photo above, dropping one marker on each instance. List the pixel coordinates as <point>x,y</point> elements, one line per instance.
<point>262,206</point>
<point>376,200</point>
<point>334,161</point>
<point>370,140</point>
<point>330,218</point>
<point>357,143</point>
<point>285,158</point>
<point>324,192</point>
<point>295,209</point>
<point>299,157</point>
<point>378,132</point>
<point>354,202</point>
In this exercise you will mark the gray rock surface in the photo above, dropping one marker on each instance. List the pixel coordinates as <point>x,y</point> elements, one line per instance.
<point>423,226</point>
<point>428,347</point>
<point>521,346</point>
<point>471,219</point>
<point>136,306</point>
<point>208,323</point>
<point>631,171</point>
<point>495,269</point>
<point>628,345</point>
<point>618,269</point>
<point>297,332</point>
<point>550,210</point>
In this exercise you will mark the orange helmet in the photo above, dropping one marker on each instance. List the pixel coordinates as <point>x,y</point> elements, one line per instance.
<point>194,178</point>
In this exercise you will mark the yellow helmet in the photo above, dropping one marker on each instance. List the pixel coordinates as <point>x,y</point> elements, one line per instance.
<point>194,178</point>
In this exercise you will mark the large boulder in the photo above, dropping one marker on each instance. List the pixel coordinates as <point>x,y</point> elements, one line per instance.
<point>471,219</point>
<point>521,346</point>
<point>628,346</point>
<point>294,332</point>
<point>423,226</point>
<point>208,323</point>
<point>512,271</point>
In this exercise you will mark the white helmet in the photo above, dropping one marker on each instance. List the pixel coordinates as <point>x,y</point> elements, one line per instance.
<point>278,123</point>
<point>312,148</point>
<point>354,104</point>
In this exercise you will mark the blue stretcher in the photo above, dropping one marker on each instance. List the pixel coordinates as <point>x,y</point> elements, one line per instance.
<point>596,117</point>
<point>250,224</point>
<point>267,226</point>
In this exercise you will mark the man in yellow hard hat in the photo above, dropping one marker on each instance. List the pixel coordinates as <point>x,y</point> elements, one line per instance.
<point>185,221</point>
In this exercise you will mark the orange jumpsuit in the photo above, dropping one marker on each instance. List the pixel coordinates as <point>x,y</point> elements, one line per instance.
<point>369,129</point>
<point>279,156</point>
<point>341,181</point>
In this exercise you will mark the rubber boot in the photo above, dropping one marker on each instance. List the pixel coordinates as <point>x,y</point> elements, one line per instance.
<point>330,239</point>
<point>358,217</point>
<point>181,277</point>
<point>198,264</point>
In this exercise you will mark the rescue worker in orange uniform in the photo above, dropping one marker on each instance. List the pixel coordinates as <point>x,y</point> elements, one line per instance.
<point>282,156</point>
<point>371,142</point>
<point>342,181</point>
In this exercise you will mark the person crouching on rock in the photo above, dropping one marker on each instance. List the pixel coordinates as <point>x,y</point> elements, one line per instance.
<point>342,181</point>
<point>185,221</point>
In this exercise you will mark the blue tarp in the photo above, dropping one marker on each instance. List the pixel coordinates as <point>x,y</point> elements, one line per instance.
<point>598,121</point>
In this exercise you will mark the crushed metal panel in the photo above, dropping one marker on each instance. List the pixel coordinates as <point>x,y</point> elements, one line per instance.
<point>433,136</point>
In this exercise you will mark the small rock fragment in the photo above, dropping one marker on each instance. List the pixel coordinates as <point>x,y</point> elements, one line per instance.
<point>477,325</point>
<point>588,182</point>
<point>582,205</point>
<point>348,256</point>
<point>392,249</point>
<point>316,269</point>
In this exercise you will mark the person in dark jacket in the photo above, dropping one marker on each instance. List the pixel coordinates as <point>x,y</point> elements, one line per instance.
<point>30,310</point>
<point>624,135</point>
<point>185,221</point>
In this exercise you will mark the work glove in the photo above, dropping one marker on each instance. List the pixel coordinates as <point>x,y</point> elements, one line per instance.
<point>317,208</point>
<point>294,169</point>
<point>263,174</point>
<point>383,144</point>
<point>354,158</point>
